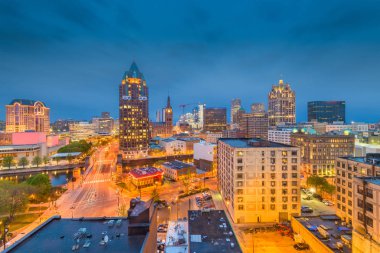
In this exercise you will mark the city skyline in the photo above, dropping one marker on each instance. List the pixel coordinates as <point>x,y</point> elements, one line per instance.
<point>80,59</point>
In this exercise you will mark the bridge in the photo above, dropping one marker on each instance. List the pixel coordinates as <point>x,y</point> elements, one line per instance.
<point>36,170</point>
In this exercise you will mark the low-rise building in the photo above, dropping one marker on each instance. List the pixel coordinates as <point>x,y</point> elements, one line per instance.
<point>172,146</point>
<point>178,170</point>
<point>144,177</point>
<point>211,231</point>
<point>81,130</point>
<point>137,233</point>
<point>205,157</point>
<point>347,168</point>
<point>280,135</point>
<point>259,180</point>
<point>323,234</point>
<point>366,217</point>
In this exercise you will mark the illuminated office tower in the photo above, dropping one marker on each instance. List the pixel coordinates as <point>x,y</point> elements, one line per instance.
<point>235,107</point>
<point>281,104</point>
<point>133,114</point>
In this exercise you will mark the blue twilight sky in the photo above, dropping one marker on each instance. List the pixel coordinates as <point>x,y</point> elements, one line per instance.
<point>72,54</point>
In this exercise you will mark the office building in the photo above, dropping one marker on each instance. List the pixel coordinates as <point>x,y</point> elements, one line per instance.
<point>254,125</point>
<point>205,157</point>
<point>178,170</point>
<point>104,124</point>
<point>81,130</point>
<point>133,114</point>
<point>347,168</point>
<point>24,115</point>
<point>259,180</point>
<point>2,125</point>
<point>280,135</point>
<point>257,108</point>
<point>319,151</point>
<point>326,111</point>
<point>281,104</point>
<point>366,217</point>
<point>235,107</point>
<point>62,125</point>
<point>215,119</point>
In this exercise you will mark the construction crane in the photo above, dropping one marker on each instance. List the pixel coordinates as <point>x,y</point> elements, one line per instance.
<point>185,105</point>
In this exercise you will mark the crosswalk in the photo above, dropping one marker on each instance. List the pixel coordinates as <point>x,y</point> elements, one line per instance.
<point>97,181</point>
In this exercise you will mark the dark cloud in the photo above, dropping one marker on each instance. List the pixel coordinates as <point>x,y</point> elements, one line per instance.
<point>72,54</point>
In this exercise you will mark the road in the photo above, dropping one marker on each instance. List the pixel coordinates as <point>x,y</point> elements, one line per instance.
<point>318,207</point>
<point>94,189</point>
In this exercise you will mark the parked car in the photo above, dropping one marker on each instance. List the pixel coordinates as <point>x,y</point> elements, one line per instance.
<point>301,246</point>
<point>308,198</point>
<point>306,209</point>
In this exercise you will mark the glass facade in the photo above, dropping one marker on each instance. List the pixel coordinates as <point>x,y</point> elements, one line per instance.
<point>326,111</point>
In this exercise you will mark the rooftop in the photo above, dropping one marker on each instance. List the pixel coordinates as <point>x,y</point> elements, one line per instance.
<point>144,172</point>
<point>211,232</point>
<point>18,147</point>
<point>177,165</point>
<point>64,155</point>
<point>372,180</point>
<point>335,231</point>
<point>252,143</point>
<point>370,159</point>
<point>60,235</point>
<point>177,237</point>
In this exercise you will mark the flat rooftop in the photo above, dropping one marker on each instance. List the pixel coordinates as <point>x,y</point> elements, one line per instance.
<point>211,232</point>
<point>362,159</point>
<point>57,236</point>
<point>335,230</point>
<point>177,165</point>
<point>145,172</point>
<point>252,143</point>
<point>372,180</point>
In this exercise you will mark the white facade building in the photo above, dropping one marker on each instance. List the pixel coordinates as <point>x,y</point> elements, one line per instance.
<point>259,180</point>
<point>280,136</point>
<point>173,146</point>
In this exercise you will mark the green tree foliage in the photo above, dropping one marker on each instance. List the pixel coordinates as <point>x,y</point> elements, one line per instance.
<point>23,162</point>
<point>42,186</point>
<point>328,189</point>
<point>37,160</point>
<point>45,160</point>
<point>13,198</point>
<point>76,146</point>
<point>8,161</point>
<point>316,181</point>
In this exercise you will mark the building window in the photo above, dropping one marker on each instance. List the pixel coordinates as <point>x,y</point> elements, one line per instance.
<point>284,153</point>
<point>294,160</point>
<point>273,153</point>
<point>272,199</point>
<point>240,199</point>
<point>369,221</point>
<point>239,175</point>
<point>284,207</point>
<point>240,160</point>
<point>294,199</point>
<point>294,191</point>
<point>272,191</point>
<point>294,206</point>
<point>294,152</point>
<point>239,191</point>
<point>294,167</point>
<point>284,199</point>
<point>240,207</point>
<point>239,168</point>
<point>272,207</point>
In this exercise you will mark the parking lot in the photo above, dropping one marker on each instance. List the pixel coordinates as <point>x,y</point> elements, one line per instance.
<point>319,208</point>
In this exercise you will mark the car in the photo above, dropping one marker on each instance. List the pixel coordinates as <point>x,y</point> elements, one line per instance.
<point>301,246</point>
<point>306,209</point>
<point>307,198</point>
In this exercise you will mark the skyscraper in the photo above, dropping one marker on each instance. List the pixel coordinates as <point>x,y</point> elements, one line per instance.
<point>27,115</point>
<point>235,107</point>
<point>326,111</point>
<point>281,104</point>
<point>215,119</point>
<point>133,114</point>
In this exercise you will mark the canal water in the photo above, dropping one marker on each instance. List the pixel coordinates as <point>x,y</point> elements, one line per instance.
<point>57,178</point>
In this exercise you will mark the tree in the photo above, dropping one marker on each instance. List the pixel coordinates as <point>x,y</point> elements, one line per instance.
<point>13,197</point>
<point>37,160</point>
<point>8,161</point>
<point>23,162</point>
<point>122,210</point>
<point>328,189</point>
<point>56,159</point>
<point>155,196</point>
<point>316,181</point>
<point>42,185</point>
<point>186,180</point>
<point>46,160</point>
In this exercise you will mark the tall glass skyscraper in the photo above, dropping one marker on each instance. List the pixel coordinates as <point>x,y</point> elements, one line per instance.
<point>133,114</point>
<point>326,111</point>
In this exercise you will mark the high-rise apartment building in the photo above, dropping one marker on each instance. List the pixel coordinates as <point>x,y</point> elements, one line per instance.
<point>24,115</point>
<point>133,114</point>
<point>215,119</point>
<point>281,104</point>
<point>319,151</point>
<point>347,168</point>
<point>366,215</point>
<point>326,111</point>
<point>254,125</point>
<point>235,107</point>
<point>259,180</point>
